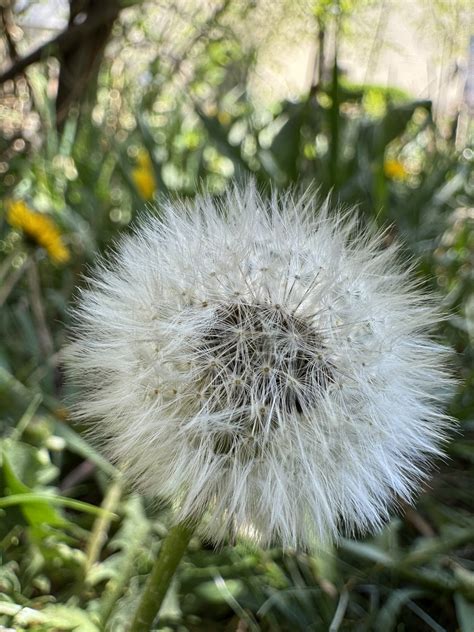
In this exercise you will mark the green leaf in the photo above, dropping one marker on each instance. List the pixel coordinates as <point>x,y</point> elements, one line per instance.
<point>77,444</point>
<point>219,135</point>
<point>38,511</point>
<point>285,147</point>
<point>62,617</point>
<point>367,551</point>
<point>387,617</point>
<point>132,542</point>
<point>395,121</point>
<point>31,465</point>
<point>464,613</point>
<point>23,616</point>
<point>49,499</point>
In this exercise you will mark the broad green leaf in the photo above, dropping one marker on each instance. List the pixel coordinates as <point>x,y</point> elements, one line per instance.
<point>38,512</point>
<point>30,464</point>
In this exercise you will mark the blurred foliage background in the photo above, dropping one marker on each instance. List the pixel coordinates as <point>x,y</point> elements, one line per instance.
<point>134,101</point>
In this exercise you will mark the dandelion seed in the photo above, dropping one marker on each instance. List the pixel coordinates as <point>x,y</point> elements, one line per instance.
<point>267,366</point>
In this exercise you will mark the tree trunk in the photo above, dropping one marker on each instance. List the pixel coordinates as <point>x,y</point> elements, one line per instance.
<point>79,65</point>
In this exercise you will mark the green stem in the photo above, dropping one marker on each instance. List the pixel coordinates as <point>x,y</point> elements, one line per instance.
<point>159,580</point>
<point>101,526</point>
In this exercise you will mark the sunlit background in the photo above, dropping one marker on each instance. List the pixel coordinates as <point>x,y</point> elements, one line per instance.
<point>108,107</point>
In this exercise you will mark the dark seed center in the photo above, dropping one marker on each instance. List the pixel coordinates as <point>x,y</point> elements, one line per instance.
<point>260,363</point>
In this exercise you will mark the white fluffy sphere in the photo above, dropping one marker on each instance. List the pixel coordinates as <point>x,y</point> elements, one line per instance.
<point>268,366</point>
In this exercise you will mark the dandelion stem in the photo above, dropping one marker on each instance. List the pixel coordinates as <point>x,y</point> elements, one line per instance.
<point>101,526</point>
<point>159,580</point>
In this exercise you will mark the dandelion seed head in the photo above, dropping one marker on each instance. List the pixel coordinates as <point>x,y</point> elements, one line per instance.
<point>266,365</point>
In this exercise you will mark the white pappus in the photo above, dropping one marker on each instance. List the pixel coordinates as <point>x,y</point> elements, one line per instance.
<point>266,365</point>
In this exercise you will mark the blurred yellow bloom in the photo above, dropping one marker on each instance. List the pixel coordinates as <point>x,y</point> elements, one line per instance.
<point>143,176</point>
<point>395,169</point>
<point>224,117</point>
<point>39,228</point>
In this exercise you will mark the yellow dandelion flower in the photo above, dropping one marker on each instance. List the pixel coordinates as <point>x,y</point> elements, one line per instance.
<point>38,228</point>
<point>143,176</point>
<point>395,169</point>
